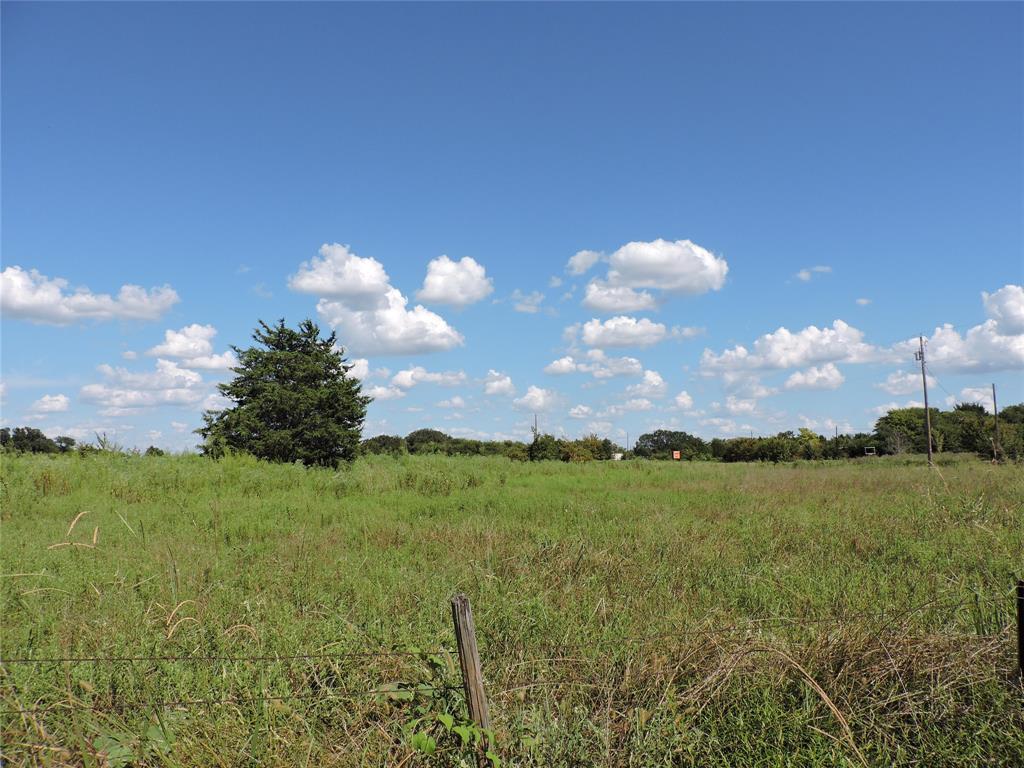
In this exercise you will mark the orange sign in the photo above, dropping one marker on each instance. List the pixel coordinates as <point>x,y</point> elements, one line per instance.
<point>677,455</point>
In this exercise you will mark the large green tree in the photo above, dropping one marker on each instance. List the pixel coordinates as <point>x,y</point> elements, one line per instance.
<point>293,400</point>
<point>660,444</point>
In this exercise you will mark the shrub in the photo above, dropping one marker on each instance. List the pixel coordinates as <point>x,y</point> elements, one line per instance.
<point>392,445</point>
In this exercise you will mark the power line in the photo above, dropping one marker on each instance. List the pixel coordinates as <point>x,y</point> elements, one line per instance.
<point>956,400</point>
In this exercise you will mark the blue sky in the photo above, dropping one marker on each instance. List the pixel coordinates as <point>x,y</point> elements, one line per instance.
<point>775,198</point>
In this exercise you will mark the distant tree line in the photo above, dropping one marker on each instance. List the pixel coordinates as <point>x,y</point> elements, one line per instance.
<point>543,447</point>
<point>32,440</point>
<point>968,428</point>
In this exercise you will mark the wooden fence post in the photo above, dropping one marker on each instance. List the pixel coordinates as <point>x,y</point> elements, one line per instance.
<point>1020,627</point>
<point>469,660</point>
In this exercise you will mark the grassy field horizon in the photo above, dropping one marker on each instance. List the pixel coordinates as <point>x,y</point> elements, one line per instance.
<point>635,613</point>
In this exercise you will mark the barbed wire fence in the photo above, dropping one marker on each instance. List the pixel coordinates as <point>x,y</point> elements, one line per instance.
<point>472,685</point>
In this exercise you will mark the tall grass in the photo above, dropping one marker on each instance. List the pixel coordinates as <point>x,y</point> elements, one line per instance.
<point>628,613</point>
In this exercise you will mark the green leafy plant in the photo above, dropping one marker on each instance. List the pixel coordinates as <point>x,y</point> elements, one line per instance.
<point>120,749</point>
<point>436,724</point>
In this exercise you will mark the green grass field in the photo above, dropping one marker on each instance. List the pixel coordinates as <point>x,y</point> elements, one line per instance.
<point>629,614</point>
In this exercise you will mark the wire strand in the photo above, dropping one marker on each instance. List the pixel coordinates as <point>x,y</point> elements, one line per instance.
<point>194,658</point>
<point>334,696</point>
<point>928,369</point>
<point>753,624</point>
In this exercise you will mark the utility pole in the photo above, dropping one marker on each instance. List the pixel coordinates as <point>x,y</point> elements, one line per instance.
<point>924,382</point>
<point>995,418</point>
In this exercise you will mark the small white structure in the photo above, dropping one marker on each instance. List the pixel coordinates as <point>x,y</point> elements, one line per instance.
<point>616,457</point>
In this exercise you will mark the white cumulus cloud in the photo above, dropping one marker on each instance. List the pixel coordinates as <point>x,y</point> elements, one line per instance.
<point>536,399</point>
<point>675,267</point>
<point>825,376</point>
<point>458,283</point>
<point>410,377</point>
<point>784,349</point>
<point>607,298</point>
<point>684,401</point>
<point>191,341</point>
<point>384,392</point>
<point>497,383</point>
<point>881,410</point>
<point>904,382</point>
<point>221,362</point>
<point>48,404</point>
<point>981,348</point>
<point>622,331</point>
<point>979,395</point>
<point>338,273</point>
<point>166,374</point>
<point>370,315</point>
<point>582,261</point>
<point>600,365</point>
<point>391,328</point>
<point>678,267</point>
<point>359,368</point>
<point>29,295</point>
<point>1006,308</point>
<point>597,363</point>
<point>580,412</point>
<point>652,385</point>
<point>125,391</point>
<point>561,366</point>
<point>193,345</point>
<point>995,345</point>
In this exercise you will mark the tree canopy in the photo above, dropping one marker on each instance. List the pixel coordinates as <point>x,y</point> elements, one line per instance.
<point>32,440</point>
<point>662,442</point>
<point>293,400</point>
